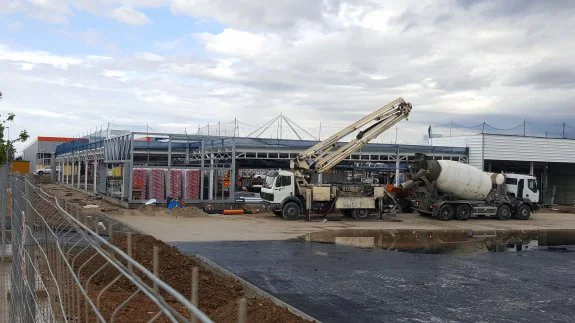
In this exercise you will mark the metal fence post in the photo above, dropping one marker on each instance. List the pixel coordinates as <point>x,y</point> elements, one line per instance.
<point>29,268</point>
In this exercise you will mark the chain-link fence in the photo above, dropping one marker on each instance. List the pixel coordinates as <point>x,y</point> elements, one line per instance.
<point>71,264</point>
<point>527,129</point>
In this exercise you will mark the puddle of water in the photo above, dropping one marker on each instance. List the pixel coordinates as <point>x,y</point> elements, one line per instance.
<point>446,242</point>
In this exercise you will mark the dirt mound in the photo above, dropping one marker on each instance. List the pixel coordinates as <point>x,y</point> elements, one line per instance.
<point>187,211</point>
<point>218,296</point>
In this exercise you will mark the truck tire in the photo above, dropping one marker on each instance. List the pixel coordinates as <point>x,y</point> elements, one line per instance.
<point>360,214</point>
<point>463,212</point>
<point>291,211</point>
<point>523,213</point>
<point>406,206</point>
<point>503,212</point>
<point>445,212</point>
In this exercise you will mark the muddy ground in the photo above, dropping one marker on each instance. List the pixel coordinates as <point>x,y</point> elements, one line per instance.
<point>218,296</point>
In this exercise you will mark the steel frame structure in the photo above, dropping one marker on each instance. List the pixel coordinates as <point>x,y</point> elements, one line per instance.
<point>210,154</point>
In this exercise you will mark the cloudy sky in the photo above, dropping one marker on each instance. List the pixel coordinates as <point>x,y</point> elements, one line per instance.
<point>70,66</point>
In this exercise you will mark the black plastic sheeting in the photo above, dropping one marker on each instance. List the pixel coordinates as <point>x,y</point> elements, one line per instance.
<point>344,284</point>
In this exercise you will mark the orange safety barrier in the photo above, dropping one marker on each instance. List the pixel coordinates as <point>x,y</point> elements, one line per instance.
<point>233,212</point>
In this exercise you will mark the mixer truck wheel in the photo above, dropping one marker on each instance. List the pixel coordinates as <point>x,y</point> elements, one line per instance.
<point>463,212</point>
<point>503,212</point>
<point>291,211</point>
<point>445,212</point>
<point>360,214</point>
<point>523,212</point>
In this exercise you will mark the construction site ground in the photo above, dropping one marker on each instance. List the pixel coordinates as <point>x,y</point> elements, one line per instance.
<point>341,284</point>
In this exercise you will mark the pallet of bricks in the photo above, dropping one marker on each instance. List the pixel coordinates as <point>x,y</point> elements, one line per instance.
<point>150,183</point>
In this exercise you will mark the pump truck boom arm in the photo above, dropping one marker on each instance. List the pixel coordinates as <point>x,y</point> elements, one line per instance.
<point>322,156</point>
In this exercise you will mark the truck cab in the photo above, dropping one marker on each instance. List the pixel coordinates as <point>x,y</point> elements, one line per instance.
<point>523,187</point>
<point>279,189</point>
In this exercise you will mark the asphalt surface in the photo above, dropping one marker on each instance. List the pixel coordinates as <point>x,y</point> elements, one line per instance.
<point>343,284</point>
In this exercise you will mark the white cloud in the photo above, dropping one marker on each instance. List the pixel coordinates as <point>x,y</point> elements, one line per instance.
<point>129,16</point>
<point>238,43</point>
<point>313,60</point>
<point>37,57</point>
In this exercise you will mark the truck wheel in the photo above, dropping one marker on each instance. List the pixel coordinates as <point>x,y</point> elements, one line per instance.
<point>360,214</point>
<point>463,212</point>
<point>503,212</point>
<point>445,212</point>
<point>291,211</point>
<point>523,213</point>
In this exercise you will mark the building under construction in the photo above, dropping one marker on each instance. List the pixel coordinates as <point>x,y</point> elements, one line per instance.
<point>137,166</point>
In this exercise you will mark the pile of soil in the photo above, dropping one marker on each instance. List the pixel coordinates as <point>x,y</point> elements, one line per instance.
<point>218,295</point>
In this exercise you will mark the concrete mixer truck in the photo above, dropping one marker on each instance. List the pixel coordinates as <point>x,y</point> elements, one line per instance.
<point>448,189</point>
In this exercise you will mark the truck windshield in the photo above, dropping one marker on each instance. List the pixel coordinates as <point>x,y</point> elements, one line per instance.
<point>270,179</point>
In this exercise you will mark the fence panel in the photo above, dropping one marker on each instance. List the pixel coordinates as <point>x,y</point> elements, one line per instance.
<point>67,268</point>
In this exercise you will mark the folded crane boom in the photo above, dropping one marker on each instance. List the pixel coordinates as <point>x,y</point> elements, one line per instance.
<point>322,157</point>
<point>288,193</point>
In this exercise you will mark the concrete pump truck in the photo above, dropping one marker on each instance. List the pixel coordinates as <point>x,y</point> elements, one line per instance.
<point>289,194</point>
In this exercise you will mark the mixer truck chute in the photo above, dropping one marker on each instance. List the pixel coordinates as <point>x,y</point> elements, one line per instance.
<point>288,193</point>
<point>448,189</point>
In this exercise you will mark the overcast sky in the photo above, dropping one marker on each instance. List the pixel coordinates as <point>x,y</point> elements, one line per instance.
<point>70,66</point>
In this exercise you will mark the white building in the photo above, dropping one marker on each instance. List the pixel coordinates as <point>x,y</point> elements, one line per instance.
<point>551,160</point>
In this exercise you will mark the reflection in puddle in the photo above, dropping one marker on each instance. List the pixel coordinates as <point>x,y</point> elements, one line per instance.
<point>446,241</point>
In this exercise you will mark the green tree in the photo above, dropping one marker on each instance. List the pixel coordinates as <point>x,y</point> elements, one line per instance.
<point>7,150</point>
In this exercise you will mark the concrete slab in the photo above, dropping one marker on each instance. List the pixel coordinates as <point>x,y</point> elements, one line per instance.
<point>271,227</point>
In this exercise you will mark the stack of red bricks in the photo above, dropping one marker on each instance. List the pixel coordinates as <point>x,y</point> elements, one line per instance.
<point>140,181</point>
<point>192,184</point>
<point>158,183</point>
<point>176,177</point>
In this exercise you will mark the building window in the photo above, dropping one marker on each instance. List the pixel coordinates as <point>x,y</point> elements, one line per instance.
<point>44,159</point>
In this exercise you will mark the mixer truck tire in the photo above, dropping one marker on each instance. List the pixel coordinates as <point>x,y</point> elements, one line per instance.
<point>463,212</point>
<point>360,214</point>
<point>523,213</point>
<point>291,211</point>
<point>503,212</point>
<point>445,212</point>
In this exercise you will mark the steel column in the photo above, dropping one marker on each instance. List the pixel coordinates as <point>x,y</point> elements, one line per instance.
<point>202,170</point>
<point>233,172</point>
<point>86,172</point>
<point>94,188</point>
<point>131,172</point>
<point>169,177</point>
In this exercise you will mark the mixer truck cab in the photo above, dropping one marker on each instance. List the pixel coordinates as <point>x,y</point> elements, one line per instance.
<point>523,187</point>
